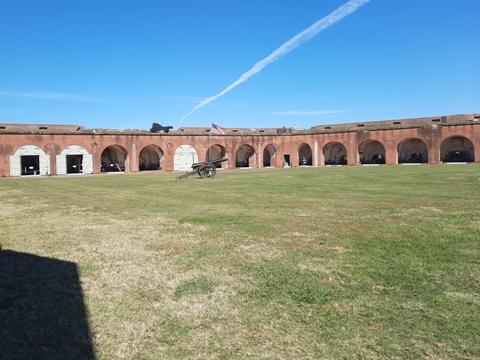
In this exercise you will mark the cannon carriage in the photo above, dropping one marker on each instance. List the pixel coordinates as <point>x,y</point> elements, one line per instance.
<point>205,170</point>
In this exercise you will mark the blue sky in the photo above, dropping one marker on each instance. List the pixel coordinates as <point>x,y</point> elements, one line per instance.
<point>125,64</point>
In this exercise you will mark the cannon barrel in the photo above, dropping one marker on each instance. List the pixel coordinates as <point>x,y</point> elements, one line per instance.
<point>196,165</point>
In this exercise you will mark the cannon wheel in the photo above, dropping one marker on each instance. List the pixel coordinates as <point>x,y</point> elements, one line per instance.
<point>207,170</point>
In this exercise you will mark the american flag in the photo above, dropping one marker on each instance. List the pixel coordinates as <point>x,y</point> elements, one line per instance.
<point>217,130</point>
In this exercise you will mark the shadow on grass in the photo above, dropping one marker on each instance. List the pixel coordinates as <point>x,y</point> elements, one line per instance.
<point>42,314</point>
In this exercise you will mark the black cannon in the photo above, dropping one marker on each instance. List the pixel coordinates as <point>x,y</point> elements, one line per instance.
<point>205,170</point>
<point>157,128</point>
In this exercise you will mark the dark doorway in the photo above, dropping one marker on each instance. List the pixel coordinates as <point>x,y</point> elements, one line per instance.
<point>74,164</point>
<point>412,151</point>
<point>286,160</point>
<point>150,158</point>
<point>269,153</point>
<point>305,155</point>
<point>457,149</point>
<point>113,159</point>
<point>30,164</point>
<point>378,159</point>
<point>335,154</point>
<point>457,156</point>
<point>245,157</point>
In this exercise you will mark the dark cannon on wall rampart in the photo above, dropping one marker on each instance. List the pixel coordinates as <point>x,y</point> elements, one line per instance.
<point>157,128</point>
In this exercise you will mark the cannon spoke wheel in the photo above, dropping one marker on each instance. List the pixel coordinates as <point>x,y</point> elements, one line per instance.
<point>207,170</point>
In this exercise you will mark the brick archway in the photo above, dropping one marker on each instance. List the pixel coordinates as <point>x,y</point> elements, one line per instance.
<point>335,153</point>
<point>216,152</point>
<point>150,158</point>
<point>372,152</point>
<point>114,158</point>
<point>305,154</point>
<point>457,149</point>
<point>412,150</point>
<point>269,155</point>
<point>245,156</point>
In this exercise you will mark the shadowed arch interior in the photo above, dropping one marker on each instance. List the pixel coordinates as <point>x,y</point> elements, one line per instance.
<point>245,156</point>
<point>216,152</point>
<point>268,154</point>
<point>335,154</point>
<point>371,152</point>
<point>305,154</point>
<point>412,151</point>
<point>457,149</point>
<point>113,158</point>
<point>150,158</point>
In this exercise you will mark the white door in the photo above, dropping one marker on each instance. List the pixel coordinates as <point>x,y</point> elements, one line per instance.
<point>184,157</point>
<point>87,164</point>
<point>61,165</point>
<point>15,166</point>
<point>181,162</point>
<point>44,164</point>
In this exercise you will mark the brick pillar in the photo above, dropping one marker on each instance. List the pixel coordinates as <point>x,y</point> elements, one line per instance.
<point>315,154</point>
<point>352,154</point>
<point>391,156</point>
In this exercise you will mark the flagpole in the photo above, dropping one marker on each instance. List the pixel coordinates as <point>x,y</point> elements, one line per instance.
<point>209,144</point>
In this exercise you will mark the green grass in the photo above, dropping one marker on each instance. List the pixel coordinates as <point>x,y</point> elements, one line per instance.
<point>312,263</point>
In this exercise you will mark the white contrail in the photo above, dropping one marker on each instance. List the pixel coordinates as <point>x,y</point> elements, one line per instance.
<point>291,44</point>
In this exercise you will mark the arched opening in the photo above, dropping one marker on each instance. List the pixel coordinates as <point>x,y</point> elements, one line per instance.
<point>335,154</point>
<point>113,159</point>
<point>305,155</point>
<point>457,149</point>
<point>245,157</point>
<point>371,152</point>
<point>268,154</point>
<point>412,151</point>
<point>217,152</point>
<point>30,164</point>
<point>150,158</point>
<point>29,160</point>
<point>184,157</point>
<point>74,159</point>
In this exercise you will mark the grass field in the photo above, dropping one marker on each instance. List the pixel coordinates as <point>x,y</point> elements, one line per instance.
<point>305,263</point>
